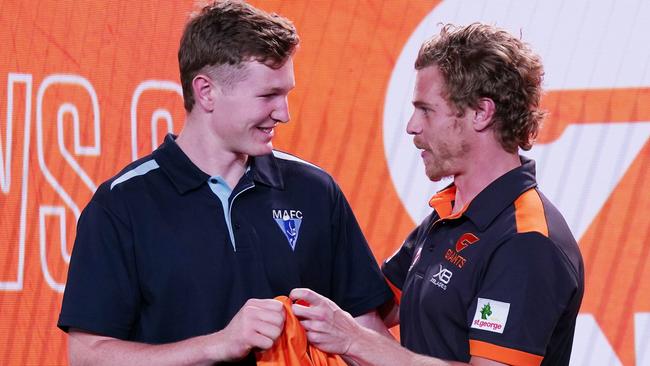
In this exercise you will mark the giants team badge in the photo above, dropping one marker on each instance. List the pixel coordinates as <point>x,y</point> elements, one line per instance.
<point>289,222</point>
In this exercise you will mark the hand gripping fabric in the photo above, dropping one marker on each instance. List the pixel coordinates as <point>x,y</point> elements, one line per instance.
<point>292,347</point>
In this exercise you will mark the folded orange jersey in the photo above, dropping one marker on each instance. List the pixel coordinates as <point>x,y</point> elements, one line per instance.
<point>292,347</point>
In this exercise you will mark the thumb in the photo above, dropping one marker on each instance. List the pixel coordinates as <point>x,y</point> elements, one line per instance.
<point>305,297</point>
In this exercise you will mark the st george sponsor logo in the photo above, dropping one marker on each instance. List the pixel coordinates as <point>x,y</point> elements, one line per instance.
<point>483,324</point>
<point>491,315</point>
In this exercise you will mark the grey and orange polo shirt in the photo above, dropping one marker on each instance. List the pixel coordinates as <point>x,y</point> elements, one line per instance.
<point>503,279</point>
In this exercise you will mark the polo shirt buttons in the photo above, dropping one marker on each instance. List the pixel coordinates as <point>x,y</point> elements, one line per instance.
<point>236,226</point>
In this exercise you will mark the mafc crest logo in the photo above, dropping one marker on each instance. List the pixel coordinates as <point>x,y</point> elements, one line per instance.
<point>289,222</point>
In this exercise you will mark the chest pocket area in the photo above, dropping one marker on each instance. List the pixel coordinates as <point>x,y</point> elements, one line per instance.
<point>279,266</point>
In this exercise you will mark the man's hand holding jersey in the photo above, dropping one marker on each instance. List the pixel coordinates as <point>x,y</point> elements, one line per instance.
<point>328,327</point>
<point>333,330</point>
<point>256,326</point>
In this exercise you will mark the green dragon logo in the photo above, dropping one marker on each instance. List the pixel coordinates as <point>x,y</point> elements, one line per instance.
<point>486,311</point>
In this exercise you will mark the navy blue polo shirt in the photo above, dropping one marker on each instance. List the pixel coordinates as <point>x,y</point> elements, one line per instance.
<point>502,280</point>
<point>154,260</point>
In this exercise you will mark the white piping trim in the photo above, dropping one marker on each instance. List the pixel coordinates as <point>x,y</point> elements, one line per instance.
<point>141,169</point>
<point>285,156</point>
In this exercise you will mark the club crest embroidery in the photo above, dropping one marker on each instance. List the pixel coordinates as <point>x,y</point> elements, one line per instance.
<point>289,222</point>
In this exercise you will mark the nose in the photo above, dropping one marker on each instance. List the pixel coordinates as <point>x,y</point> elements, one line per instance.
<point>281,111</point>
<point>412,126</point>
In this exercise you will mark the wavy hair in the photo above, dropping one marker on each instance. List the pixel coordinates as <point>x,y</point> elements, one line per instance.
<point>482,61</point>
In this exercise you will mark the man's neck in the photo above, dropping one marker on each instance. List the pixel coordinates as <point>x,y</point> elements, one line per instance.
<point>208,153</point>
<point>480,171</point>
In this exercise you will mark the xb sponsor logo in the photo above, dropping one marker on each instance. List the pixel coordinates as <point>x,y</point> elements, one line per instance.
<point>289,222</point>
<point>442,277</point>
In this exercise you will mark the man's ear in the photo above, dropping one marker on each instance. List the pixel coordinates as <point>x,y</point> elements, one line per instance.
<point>204,92</point>
<point>483,114</point>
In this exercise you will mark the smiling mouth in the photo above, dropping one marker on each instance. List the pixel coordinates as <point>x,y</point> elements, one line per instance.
<point>266,130</point>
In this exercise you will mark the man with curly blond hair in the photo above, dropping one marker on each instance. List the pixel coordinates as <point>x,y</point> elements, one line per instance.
<point>492,276</point>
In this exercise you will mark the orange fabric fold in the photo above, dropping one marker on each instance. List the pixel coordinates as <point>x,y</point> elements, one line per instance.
<point>292,347</point>
<point>397,293</point>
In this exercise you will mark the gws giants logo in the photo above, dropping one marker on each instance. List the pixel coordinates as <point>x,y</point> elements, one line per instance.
<point>289,222</point>
<point>463,242</point>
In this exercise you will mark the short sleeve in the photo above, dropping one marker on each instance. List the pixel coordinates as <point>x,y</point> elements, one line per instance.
<point>101,289</point>
<point>396,267</point>
<point>358,285</point>
<point>527,287</point>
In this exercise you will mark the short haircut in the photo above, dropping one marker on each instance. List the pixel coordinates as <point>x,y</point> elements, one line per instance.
<point>228,33</point>
<point>482,61</point>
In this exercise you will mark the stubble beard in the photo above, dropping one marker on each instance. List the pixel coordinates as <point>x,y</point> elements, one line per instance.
<point>447,158</point>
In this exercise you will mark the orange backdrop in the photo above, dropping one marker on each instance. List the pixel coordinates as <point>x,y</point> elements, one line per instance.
<point>79,80</point>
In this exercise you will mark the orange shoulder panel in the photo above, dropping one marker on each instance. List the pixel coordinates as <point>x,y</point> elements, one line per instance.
<point>529,213</point>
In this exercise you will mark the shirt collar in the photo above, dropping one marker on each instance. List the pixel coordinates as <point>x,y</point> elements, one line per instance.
<point>493,199</point>
<point>186,176</point>
<point>265,170</point>
<point>178,167</point>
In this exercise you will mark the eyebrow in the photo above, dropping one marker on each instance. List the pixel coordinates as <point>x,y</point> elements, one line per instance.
<point>421,104</point>
<point>277,90</point>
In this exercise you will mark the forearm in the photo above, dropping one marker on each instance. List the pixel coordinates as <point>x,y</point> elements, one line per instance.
<point>333,330</point>
<point>373,321</point>
<point>255,326</point>
<point>370,348</point>
<point>88,349</point>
